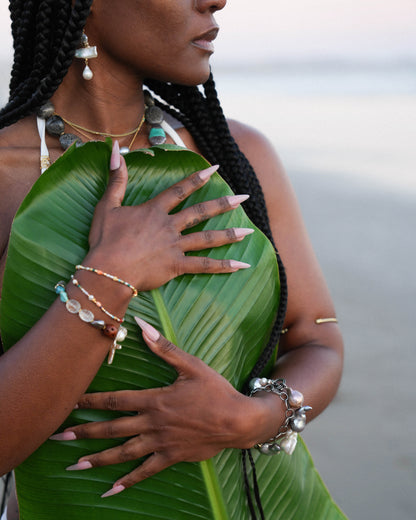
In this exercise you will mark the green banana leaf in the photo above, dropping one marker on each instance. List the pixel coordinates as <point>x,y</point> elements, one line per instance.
<point>223,319</point>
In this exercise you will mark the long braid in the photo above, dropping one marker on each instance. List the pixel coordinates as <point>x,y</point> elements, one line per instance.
<point>35,82</point>
<point>46,34</point>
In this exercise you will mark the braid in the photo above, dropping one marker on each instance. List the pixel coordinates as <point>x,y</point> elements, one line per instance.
<point>45,34</point>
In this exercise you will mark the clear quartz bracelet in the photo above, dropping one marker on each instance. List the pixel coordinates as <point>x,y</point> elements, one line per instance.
<point>295,416</point>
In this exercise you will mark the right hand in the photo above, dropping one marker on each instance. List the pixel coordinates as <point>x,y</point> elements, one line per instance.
<point>144,245</point>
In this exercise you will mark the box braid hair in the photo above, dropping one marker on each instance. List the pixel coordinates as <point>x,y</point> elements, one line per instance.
<point>46,34</point>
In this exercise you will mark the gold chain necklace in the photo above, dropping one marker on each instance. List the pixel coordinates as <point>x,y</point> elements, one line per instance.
<point>81,129</point>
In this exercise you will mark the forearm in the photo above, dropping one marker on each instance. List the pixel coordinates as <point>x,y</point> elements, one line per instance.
<point>314,369</point>
<point>44,374</point>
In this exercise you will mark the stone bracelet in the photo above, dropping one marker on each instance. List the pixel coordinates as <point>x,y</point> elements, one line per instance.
<point>295,416</point>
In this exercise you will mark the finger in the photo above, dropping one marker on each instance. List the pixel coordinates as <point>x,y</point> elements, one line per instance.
<point>212,238</point>
<point>150,467</point>
<point>132,449</point>
<point>116,188</point>
<point>204,264</point>
<point>177,358</point>
<point>177,193</point>
<point>197,213</point>
<point>123,400</point>
<point>114,429</point>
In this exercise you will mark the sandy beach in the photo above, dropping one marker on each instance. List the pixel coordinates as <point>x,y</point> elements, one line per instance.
<point>352,160</point>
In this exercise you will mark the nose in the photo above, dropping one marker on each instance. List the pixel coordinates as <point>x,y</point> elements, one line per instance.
<point>210,5</point>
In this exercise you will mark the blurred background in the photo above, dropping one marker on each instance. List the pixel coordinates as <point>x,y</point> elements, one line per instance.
<point>333,86</point>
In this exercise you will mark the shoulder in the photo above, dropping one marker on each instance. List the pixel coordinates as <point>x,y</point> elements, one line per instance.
<point>267,165</point>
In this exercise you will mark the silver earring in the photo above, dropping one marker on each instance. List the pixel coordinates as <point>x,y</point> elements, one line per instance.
<point>86,52</point>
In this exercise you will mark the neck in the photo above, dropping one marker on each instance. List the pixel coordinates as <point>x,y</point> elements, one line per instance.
<point>111,102</point>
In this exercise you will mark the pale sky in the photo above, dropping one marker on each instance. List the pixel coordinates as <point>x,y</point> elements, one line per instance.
<point>273,29</point>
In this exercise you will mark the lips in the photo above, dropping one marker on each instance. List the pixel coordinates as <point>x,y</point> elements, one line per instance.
<point>204,41</point>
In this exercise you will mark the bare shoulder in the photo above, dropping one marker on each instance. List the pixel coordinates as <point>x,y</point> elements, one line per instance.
<point>266,163</point>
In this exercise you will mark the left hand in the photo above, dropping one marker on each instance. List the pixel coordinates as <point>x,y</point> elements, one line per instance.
<point>191,420</point>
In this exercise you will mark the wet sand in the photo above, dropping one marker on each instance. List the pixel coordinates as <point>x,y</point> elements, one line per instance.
<point>364,444</point>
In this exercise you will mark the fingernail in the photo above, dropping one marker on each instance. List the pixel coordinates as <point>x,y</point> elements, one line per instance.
<point>243,232</point>
<point>153,334</point>
<point>236,200</point>
<point>234,264</point>
<point>206,174</point>
<point>64,436</point>
<point>115,157</point>
<point>113,491</point>
<point>81,465</point>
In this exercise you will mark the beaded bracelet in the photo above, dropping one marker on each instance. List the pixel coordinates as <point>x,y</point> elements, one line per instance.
<point>111,331</point>
<point>295,417</point>
<point>92,299</point>
<point>110,276</point>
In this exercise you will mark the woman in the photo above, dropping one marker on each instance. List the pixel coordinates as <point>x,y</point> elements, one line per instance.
<point>170,42</point>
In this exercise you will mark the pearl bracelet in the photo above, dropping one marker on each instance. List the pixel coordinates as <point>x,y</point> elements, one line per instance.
<point>295,417</point>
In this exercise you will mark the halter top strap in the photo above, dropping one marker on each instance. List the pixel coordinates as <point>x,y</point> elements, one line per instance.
<point>45,161</point>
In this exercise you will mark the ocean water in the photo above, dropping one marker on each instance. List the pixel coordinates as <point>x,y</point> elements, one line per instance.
<point>356,123</point>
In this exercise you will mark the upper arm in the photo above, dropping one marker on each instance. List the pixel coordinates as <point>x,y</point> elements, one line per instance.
<point>308,295</point>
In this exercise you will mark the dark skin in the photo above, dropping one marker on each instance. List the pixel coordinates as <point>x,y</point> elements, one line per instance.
<point>171,425</point>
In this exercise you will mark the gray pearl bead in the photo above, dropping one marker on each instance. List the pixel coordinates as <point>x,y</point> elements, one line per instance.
<point>254,384</point>
<point>154,115</point>
<point>298,423</point>
<point>46,110</point>
<point>67,140</point>
<point>124,150</point>
<point>55,126</point>
<point>265,449</point>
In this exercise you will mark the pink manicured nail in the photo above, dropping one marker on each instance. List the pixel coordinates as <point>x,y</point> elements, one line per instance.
<point>81,465</point>
<point>113,491</point>
<point>115,157</point>
<point>243,232</point>
<point>153,334</point>
<point>206,174</point>
<point>238,265</point>
<point>64,436</point>
<point>236,200</point>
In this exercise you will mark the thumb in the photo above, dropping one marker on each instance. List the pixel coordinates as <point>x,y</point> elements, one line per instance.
<point>117,184</point>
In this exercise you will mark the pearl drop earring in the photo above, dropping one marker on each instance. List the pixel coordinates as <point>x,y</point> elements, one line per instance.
<point>86,52</point>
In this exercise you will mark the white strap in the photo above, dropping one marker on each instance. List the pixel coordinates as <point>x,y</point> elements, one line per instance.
<point>173,134</point>
<point>44,152</point>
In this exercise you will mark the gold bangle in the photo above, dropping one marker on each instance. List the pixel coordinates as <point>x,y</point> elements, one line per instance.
<point>319,321</point>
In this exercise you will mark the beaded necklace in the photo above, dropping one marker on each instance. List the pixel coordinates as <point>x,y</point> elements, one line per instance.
<point>55,126</point>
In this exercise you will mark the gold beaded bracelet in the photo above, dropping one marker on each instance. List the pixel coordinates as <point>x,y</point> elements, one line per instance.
<point>107,275</point>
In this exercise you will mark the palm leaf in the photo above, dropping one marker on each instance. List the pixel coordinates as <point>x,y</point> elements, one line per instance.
<point>223,319</point>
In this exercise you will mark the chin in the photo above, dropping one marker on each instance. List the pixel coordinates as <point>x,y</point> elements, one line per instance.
<point>191,76</point>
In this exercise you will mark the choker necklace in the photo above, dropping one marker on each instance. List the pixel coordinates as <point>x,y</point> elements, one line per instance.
<point>55,126</point>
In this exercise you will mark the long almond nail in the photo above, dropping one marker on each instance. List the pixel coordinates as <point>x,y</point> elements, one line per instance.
<point>115,157</point>
<point>236,200</point>
<point>153,334</point>
<point>64,436</point>
<point>234,264</point>
<point>206,174</point>
<point>80,466</point>
<point>113,491</point>
<point>243,232</point>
